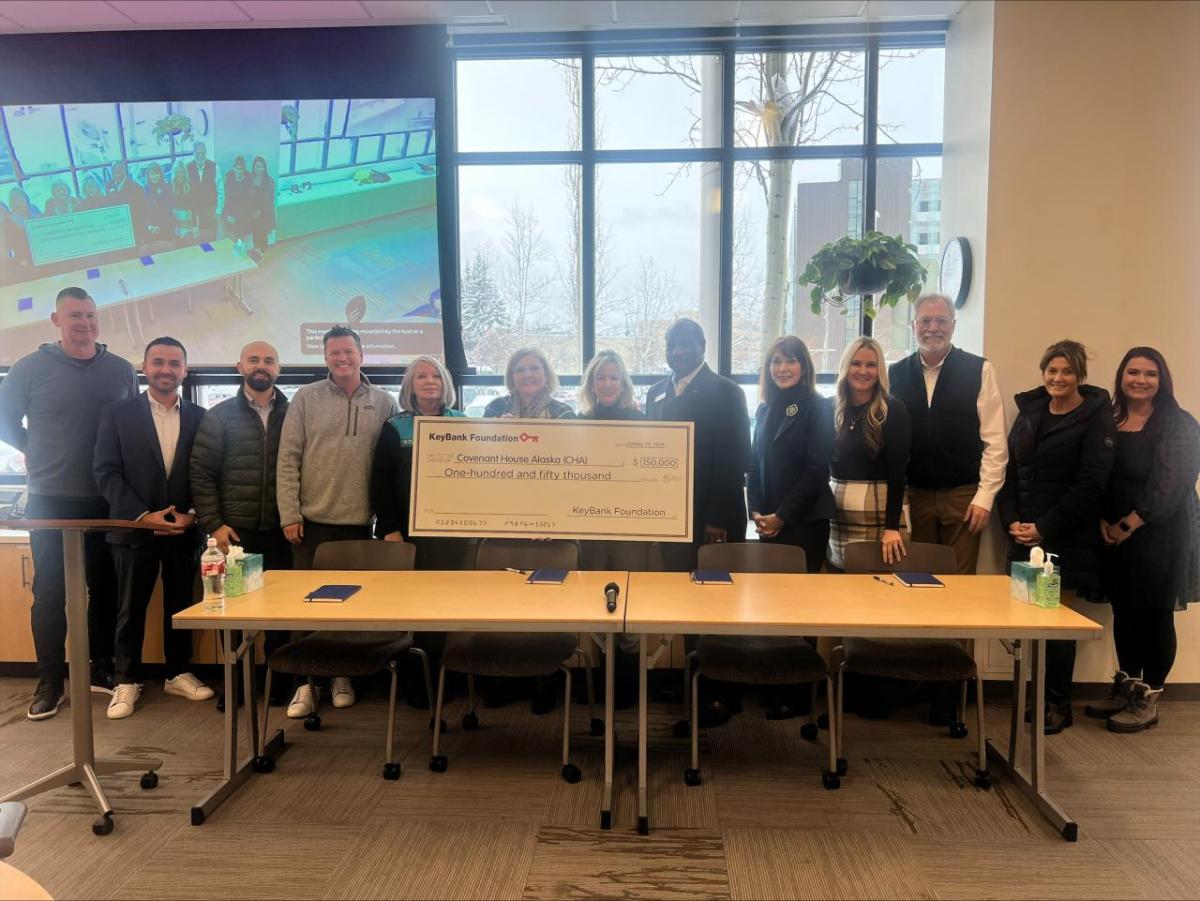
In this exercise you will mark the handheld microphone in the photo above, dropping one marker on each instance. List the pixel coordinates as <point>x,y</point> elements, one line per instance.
<point>611,591</point>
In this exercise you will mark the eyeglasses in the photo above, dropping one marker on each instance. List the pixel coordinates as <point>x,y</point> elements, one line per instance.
<point>939,321</point>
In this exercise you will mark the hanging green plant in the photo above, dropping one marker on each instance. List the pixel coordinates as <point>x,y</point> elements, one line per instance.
<point>288,117</point>
<point>176,126</point>
<point>875,264</point>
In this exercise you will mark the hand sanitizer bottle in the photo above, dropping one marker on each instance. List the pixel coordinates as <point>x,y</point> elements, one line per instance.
<point>1049,584</point>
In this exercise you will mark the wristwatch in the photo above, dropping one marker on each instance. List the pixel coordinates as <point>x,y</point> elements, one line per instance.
<point>1124,526</point>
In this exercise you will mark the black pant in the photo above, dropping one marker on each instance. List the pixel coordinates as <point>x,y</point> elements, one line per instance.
<point>48,616</point>
<point>813,537</point>
<point>1060,671</point>
<point>1145,640</point>
<point>138,567</point>
<point>317,533</point>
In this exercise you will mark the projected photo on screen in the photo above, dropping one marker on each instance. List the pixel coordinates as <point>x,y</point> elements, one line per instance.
<point>219,222</point>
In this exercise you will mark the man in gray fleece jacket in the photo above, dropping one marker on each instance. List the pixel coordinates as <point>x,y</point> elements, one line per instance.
<point>323,474</point>
<point>58,390</point>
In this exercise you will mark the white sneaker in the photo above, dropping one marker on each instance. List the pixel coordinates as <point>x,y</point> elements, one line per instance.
<point>343,692</point>
<point>185,685</point>
<point>302,702</point>
<point>125,696</point>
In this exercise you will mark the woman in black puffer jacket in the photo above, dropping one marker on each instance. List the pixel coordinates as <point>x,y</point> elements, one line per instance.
<point>1060,452</point>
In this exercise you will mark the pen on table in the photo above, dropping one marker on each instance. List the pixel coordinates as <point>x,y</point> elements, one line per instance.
<point>883,580</point>
<point>519,572</point>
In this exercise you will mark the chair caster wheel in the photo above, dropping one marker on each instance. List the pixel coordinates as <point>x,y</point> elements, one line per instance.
<point>831,780</point>
<point>823,721</point>
<point>391,771</point>
<point>682,729</point>
<point>470,722</point>
<point>103,826</point>
<point>809,732</point>
<point>958,730</point>
<point>312,722</point>
<point>983,779</point>
<point>445,728</point>
<point>843,767</point>
<point>571,774</point>
<point>263,764</point>
<point>149,780</point>
<point>691,777</point>
<point>597,727</point>
<point>438,764</point>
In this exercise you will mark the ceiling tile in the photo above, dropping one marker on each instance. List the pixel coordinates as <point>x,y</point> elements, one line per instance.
<point>668,13</point>
<point>181,12</point>
<point>765,12</point>
<point>536,14</point>
<point>67,13</point>
<point>284,11</point>
<point>425,10</point>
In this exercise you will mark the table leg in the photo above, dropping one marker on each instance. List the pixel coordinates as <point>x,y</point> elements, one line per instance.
<point>643,825</point>
<point>1033,783</point>
<point>84,768</point>
<point>234,774</point>
<point>606,802</point>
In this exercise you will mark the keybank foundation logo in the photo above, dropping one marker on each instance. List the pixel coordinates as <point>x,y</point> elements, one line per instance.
<point>523,438</point>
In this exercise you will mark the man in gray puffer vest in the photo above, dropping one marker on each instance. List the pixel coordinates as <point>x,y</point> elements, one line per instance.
<point>233,467</point>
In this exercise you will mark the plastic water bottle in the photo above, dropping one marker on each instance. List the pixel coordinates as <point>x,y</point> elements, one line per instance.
<point>212,574</point>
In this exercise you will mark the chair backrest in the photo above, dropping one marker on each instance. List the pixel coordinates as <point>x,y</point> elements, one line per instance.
<point>366,554</point>
<point>498,553</point>
<point>752,557</point>
<point>922,557</point>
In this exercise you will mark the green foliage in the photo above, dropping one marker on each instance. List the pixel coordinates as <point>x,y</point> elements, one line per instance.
<point>875,259</point>
<point>288,117</point>
<point>176,125</point>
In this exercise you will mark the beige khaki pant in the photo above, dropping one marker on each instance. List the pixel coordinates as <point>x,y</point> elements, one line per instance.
<point>937,518</point>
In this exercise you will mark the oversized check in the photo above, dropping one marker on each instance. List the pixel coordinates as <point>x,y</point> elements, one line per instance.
<point>560,478</point>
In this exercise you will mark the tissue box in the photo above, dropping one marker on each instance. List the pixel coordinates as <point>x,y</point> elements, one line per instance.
<point>1022,585</point>
<point>243,575</point>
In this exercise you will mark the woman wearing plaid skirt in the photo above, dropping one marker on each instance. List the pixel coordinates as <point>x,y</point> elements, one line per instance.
<point>870,456</point>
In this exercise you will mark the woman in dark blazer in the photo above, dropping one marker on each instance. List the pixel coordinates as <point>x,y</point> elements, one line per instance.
<point>1060,453</point>
<point>790,500</point>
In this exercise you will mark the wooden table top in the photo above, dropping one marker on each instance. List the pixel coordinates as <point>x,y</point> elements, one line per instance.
<point>843,605</point>
<point>422,600</point>
<point>16,886</point>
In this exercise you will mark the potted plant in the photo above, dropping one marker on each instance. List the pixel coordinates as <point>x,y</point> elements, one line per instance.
<point>873,264</point>
<point>288,117</point>
<point>176,125</point>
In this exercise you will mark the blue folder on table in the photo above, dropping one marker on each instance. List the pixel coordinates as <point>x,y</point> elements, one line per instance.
<point>332,594</point>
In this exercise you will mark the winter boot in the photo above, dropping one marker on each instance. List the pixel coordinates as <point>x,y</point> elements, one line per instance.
<point>1117,700</point>
<point>1141,712</point>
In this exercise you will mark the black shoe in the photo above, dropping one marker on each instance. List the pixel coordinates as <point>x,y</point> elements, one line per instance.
<point>416,699</point>
<point>543,697</point>
<point>1057,718</point>
<point>718,713</point>
<point>104,681</point>
<point>47,698</point>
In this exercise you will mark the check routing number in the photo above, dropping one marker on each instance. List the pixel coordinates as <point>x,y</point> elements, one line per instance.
<point>562,478</point>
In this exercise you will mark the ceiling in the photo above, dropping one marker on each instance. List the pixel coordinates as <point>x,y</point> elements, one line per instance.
<point>23,16</point>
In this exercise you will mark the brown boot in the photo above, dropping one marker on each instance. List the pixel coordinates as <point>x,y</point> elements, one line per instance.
<point>1117,700</point>
<point>1141,712</point>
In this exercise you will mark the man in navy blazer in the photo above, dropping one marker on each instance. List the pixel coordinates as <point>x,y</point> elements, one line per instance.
<point>202,175</point>
<point>142,467</point>
<point>694,393</point>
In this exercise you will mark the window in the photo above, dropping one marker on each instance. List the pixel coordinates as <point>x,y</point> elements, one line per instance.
<point>624,234</point>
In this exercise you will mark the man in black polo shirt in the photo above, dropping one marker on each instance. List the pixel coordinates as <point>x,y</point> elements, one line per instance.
<point>959,446</point>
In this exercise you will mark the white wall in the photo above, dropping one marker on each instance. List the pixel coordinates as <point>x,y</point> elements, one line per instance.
<point>1092,198</point>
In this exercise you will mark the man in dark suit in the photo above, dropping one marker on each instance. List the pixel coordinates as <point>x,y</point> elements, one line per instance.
<point>694,393</point>
<point>142,466</point>
<point>123,190</point>
<point>202,175</point>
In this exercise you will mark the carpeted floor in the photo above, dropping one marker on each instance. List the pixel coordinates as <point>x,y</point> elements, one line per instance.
<point>500,823</point>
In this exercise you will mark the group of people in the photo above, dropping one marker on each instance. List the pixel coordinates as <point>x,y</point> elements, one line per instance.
<point>168,208</point>
<point>1105,483</point>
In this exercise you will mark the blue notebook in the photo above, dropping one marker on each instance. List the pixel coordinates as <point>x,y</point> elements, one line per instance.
<point>332,594</point>
<point>712,577</point>
<point>918,580</point>
<point>547,576</point>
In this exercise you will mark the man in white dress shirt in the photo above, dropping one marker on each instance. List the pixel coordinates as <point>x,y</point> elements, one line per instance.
<point>959,441</point>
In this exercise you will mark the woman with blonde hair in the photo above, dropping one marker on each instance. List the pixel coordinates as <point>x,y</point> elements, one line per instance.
<point>873,435</point>
<point>607,389</point>
<point>531,384</point>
